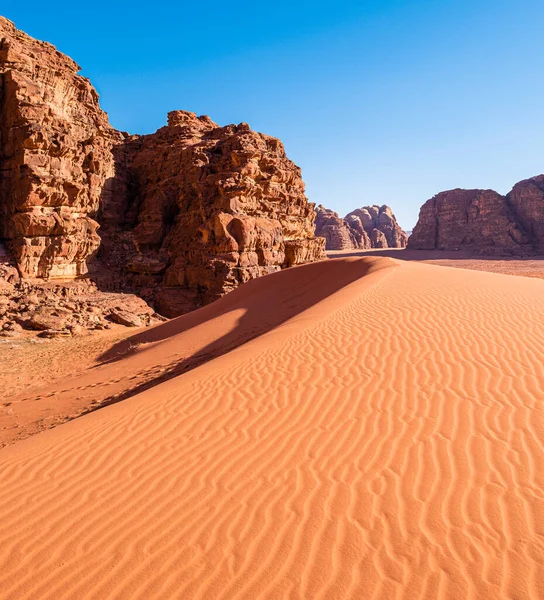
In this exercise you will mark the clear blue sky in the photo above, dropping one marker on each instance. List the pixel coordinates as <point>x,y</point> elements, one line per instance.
<point>379,101</point>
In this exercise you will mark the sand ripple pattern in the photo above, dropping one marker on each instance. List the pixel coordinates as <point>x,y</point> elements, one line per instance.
<point>386,443</point>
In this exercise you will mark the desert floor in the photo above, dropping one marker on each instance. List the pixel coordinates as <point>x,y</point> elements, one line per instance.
<point>355,428</point>
<point>524,267</point>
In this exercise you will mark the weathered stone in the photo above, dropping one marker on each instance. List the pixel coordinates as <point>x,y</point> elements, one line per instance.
<point>380,219</point>
<point>336,231</point>
<point>77,330</point>
<point>526,200</point>
<point>10,333</point>
<point>48,318</point>
<point>193,206</point>
<point>378,239</point>
<point>55,156</point>
<point>175,301</point>
<point>484,221</point>
<point>358,232</point>
<point>147,265</point>
<point>123,317</point>
<point>217,206</point>
<point>54,333</point>
<point>367,227</point>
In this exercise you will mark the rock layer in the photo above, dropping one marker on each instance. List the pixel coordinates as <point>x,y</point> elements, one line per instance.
<point>187,213</point>
<point>484,221</point>
<point>366,227</point>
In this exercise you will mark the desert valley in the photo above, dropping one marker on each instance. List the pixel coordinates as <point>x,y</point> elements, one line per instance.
<point>213,388</point>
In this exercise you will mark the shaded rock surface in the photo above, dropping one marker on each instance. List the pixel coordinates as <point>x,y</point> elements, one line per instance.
<point>484,221</point>
<point>181,216</point>
<point>72,307</point>
<point>366,227</point>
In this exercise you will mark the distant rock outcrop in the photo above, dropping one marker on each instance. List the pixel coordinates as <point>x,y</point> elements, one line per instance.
<point>366,227</point>
<point>526,200</point>
<point>380,224</point>
<point>484,221</point>
<point>185,214</point>
<point>339,235</point>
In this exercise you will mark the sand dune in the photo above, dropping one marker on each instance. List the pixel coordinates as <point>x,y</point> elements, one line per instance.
<point>358,428</point>
<point>155,355</point>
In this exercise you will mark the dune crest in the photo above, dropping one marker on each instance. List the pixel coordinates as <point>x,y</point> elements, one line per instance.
<point>383,442</point>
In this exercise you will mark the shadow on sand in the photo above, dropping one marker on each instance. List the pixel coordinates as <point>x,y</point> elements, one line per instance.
<point>266,303</point>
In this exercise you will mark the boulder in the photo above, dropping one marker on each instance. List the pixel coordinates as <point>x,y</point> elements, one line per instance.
<point>45,318</point>
<point>54,333</point>
<point>123,317</point>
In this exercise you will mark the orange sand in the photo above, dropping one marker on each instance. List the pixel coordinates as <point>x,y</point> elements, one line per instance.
<point>382,436</point>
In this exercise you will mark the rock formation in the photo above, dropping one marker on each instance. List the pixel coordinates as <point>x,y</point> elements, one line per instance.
<point>59,308</point>
<point>216,206</point>
<point>366,227</point>
<point>55,156</point>
<point>186,213</point>
<point>380,224</point>
<point>483,221</point>
<point>338,233</point>
<point>526,200</point>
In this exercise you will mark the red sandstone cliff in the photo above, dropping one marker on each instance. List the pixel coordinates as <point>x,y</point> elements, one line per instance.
<point>484,221</point>
<point>187,213</point>
<point>55,156</point>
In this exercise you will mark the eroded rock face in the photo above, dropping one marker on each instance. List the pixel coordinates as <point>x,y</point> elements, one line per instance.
<point>381,226</point>
<point>338,233</point>
<point>217,206</point>
<point>55,156</point>
<point>186,214</point>
<point>526,200</point>
<point>484,221</point>
<point>366,227</point>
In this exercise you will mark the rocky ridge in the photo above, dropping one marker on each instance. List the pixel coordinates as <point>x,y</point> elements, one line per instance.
<point>366,227</point>
<point>180,216</point>
<point>484,221</point>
